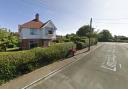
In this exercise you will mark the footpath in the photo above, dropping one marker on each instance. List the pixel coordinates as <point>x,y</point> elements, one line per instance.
<point>34,76</point>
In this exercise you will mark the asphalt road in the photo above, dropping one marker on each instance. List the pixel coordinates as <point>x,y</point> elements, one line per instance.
<point>104,68</point>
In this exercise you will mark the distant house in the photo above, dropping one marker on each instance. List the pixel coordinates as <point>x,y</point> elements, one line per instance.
<point>36,33</point>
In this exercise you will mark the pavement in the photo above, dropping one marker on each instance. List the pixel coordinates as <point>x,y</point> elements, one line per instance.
<point>41,73</point>
<point>104,68</point>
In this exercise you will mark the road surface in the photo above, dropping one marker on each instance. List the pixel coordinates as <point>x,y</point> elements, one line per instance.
<point>104,68</point>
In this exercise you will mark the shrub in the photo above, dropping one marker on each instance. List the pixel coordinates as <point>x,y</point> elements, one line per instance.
<point>13,64</point>
<point>11,46</point>
<point>66,40</point>
<point>84,42</point>
<point>80,45</point>
<point>75,38</point>
<point>2,47</point>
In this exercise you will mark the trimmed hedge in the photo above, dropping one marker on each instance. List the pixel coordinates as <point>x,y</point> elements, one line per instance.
<point>13,64</point>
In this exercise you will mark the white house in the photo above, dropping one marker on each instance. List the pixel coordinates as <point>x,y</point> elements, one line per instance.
<point>36,33</point>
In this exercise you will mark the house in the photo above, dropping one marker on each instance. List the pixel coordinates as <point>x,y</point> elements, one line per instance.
<point>36,33</point>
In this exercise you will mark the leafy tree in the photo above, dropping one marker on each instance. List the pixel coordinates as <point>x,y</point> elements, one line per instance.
<point>105,36</point>
<point>68,36</point>
<point>120,38</point>
<point>3,38</point>
<point>7,39</point>
<point>84,31</point>
<point>13,40</point>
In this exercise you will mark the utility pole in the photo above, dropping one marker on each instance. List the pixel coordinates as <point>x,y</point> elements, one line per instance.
<point>90,34</point>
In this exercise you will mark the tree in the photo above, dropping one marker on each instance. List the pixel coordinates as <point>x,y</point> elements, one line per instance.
<point>120,38</point>
<point>84,31</point>
<point>105,36</point>
<point>8,39</point>
<point>3,38</point>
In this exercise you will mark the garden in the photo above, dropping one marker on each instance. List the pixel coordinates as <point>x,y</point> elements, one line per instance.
<point>15,62</point>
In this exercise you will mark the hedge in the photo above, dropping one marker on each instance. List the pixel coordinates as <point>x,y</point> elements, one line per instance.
<point>80,45</point>
<point>13,64</point>
<point>84,42</point>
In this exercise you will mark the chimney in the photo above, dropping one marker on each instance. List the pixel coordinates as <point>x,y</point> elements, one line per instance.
<point>37,17</point>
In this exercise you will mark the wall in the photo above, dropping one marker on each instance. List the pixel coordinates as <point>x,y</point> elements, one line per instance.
<point>41,34</point>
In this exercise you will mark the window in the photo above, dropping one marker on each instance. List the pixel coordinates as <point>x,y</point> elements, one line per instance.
<point>33,31</point>
<point>33,43</point>
<point>50,32</point>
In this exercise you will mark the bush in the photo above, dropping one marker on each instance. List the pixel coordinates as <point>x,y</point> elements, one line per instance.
<point>75,38</point>
<point>11,46</point>
<point>66,40</point>
<point>93,41</point>
<point>84,42</point>
<point>2,47</point>
<point>80,45</point>
<point>13,64</point>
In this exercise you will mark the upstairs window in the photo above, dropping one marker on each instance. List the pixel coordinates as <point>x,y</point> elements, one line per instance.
<point>50,32</point>
<point>33,31</point>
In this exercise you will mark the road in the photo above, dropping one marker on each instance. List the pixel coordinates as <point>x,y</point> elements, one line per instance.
<point>104,68</point>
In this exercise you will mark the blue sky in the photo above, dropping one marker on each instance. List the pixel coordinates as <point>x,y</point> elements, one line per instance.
<point>67,15</point>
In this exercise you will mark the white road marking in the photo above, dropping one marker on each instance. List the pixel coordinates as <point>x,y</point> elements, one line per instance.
<point>120,66</point>
<point>110,61</point>
<point>113,69</point>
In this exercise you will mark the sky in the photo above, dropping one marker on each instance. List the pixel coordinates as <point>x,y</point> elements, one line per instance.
<point>67,15</point>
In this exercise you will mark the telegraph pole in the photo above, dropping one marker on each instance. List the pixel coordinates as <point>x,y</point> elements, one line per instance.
<point>90,34</point>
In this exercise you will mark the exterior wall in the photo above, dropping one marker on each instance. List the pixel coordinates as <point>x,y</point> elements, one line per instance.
<point>41,43</point>
<point>25,34</point>
<point>25,43</point>
<point>45,31</point>
<point>41,34</point>
<point>45,35</point>
<point>46,43</point>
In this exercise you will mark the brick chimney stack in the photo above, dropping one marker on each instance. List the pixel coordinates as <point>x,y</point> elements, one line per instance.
<point>37,17</point>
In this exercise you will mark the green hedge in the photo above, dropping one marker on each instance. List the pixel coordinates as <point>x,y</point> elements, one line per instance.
<point>84,42</point>
<point>80,45</point>
<point>13,64</point>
